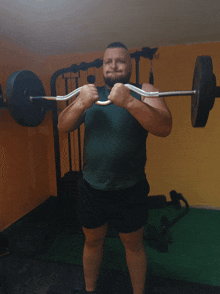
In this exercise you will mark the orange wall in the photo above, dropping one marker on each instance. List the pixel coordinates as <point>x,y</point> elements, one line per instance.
<point>27,173</point>
<point>187,160</point>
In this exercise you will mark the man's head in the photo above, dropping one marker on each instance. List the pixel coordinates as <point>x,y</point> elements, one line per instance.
<point>117,67</point>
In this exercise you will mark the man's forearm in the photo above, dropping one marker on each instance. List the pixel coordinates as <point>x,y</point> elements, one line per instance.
<point>155,121</point>
<point>71,117</point>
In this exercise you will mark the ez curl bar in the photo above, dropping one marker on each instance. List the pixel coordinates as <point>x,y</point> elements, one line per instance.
<point>23,88</point>
<point>131,87</point>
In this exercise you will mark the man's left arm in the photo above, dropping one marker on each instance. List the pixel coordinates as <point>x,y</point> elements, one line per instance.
<point>152,113</point>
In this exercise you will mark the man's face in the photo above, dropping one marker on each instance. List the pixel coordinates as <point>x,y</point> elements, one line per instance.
<point>117,66</point>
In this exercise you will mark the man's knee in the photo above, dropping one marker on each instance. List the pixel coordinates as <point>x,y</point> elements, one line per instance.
<point>94,238</point>
<point>133,241</point>
<point>94,243</point>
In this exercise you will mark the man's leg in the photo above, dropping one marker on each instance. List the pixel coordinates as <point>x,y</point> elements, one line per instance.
<point>93,255</point>
<point>136,258</point>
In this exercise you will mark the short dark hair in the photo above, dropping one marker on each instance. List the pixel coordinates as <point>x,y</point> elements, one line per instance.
<point>117,45</point>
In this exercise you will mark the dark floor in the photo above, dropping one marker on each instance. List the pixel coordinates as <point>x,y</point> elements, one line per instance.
<point>25,275</point>
<point>25,270</point>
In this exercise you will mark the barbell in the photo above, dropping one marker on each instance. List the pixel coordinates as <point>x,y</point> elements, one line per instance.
<point>24,89</point>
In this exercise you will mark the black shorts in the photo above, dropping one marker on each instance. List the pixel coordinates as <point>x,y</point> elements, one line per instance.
<point>127,209</point>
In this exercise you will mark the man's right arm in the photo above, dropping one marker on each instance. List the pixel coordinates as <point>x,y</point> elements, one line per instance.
<point>74,115</point>
<point>71,117</point>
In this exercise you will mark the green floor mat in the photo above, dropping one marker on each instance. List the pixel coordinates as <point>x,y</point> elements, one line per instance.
<point>193,256</point>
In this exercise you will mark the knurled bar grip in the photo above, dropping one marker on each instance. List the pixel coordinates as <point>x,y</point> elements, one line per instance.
<point>131,87</point>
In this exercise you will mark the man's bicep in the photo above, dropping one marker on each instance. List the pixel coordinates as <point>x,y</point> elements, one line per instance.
<point>158,103</point>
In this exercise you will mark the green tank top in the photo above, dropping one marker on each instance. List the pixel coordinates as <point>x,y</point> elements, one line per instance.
<point>114,146</point>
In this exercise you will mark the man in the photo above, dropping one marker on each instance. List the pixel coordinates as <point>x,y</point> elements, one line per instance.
<point>114,185</point>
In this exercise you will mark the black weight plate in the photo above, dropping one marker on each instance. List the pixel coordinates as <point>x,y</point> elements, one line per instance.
<point>213,95</point>
<point>204,83</point>
<point>19,87</point>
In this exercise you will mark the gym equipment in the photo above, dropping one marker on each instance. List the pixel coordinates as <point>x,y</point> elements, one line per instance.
<point>91,79</point>
<point>175,202</point>
<point>20,85</point>
<point>160,237</point>
<point>160,201</point>
<point>204,82</point>
<point>25,108</point>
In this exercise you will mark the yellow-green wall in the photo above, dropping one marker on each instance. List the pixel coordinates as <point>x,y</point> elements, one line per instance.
<point>186,161</point>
